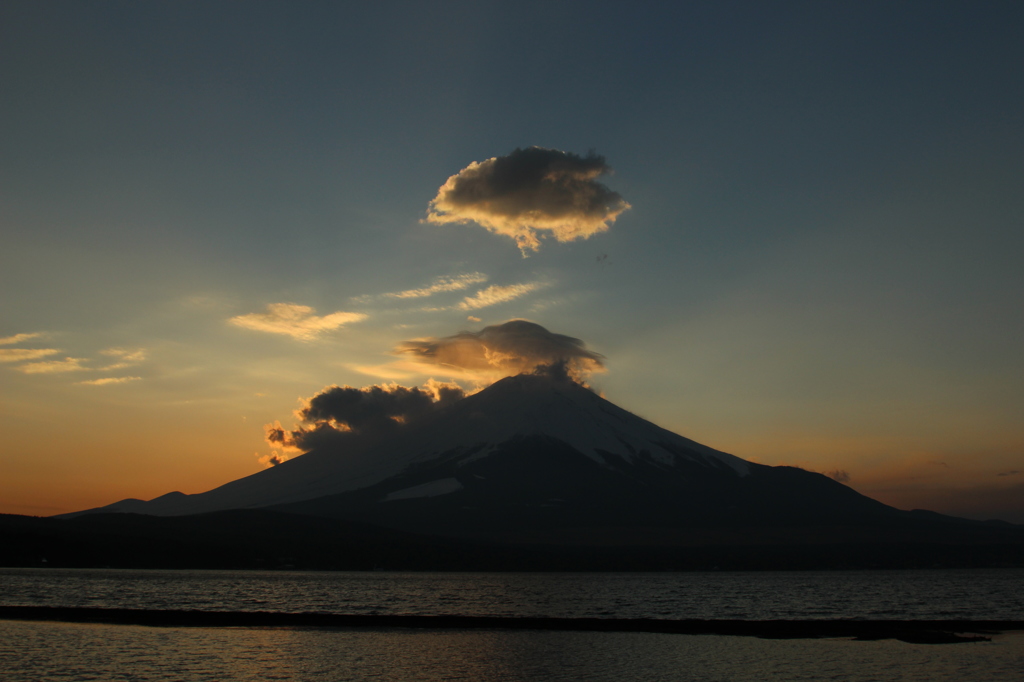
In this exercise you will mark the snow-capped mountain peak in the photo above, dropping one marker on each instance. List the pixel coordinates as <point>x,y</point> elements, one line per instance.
<point>543,405</point>
<point>539,404</point>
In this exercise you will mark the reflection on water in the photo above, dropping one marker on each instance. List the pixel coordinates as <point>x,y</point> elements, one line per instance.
<point>31,652</point>
<point>967,594</point>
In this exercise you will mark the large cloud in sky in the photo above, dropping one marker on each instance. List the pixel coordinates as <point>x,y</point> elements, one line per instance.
<point>529,193</point>
<point>513,347</point>
<point>377,408</point>
<point>332,418</point>
<point>338,413</point>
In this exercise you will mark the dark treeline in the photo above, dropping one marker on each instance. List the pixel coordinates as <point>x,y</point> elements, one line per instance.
<point>261,539</point>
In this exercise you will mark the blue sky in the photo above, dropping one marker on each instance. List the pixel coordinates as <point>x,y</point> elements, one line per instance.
<point>820,265</point>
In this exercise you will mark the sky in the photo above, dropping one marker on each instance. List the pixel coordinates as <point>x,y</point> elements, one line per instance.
<point>790,231</point>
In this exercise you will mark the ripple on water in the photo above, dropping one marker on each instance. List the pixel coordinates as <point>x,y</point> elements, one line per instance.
<point>978,594</point>
<point>34,652</point>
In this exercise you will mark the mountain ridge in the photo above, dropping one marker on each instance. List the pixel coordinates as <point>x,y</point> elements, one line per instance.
<point>537,459</point>
<point>477,419</point>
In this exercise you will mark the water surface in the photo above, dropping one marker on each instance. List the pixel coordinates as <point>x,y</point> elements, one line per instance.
<point>939,594</point>
<point>37,652</point>
<point>44,651</point>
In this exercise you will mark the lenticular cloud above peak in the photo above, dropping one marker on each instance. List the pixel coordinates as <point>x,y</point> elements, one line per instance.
<point>531,192</point>
<point>514,347</point>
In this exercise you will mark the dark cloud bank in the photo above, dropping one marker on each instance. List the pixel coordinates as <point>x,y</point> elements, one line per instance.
<point>340,412</point>
<point>531,192</point>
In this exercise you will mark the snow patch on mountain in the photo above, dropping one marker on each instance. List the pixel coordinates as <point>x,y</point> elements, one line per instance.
<point>528,405</point>
<point>441,486</point>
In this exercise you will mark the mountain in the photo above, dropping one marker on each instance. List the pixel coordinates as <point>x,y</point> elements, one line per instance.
<point>481,426</point>
<point>536,472</point>
<point>536,458</point>
<point>539,458</point>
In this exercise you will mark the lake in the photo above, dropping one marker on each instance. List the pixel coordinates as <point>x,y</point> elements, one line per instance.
<point>75,651</point>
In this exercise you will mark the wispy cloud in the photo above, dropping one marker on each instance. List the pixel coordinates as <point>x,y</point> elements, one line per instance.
<point>273,459</point>
<point>106,381</point>
<point>406,370</point>
<point>31,357</point>
<point>297,321</point>
<point>54,366</point>
<point>497,293</point>
<point>391,371</point>
<point>124,357</point>
<point>440,285</point>
<point>19,338</point>
<point>24,354</point>
<point>839,475</point>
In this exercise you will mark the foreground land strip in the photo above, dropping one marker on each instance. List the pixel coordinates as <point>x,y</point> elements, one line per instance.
<point>918,631</point>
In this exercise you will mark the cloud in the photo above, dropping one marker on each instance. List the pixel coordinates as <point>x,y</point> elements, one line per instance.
<point>54,366</point>
<point>297,321</point>
<point>379,407</point>
<point>391,371</point>
<point>273,459</point>
<point>18,338</point>
<point>340,416</point>
<point>106,381</point>
<point>530,192</point>
<point>1012,472</point>
<point>514,347</point>
<point>338,413</point>
<point>442,284</point>
<point>495,294</point>
<point>840,475</point>
<point>24,354</point>
<point>124,358</point>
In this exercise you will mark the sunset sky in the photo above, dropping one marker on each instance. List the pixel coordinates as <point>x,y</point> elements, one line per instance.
<point>804,245</point>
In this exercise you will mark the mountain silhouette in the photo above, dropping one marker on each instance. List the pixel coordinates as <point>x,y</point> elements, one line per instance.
<point>535,472</point>
<point>540,458</point>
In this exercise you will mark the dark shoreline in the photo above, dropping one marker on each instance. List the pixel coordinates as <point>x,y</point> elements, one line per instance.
<point>915,631</point>
<point>260,539</point>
